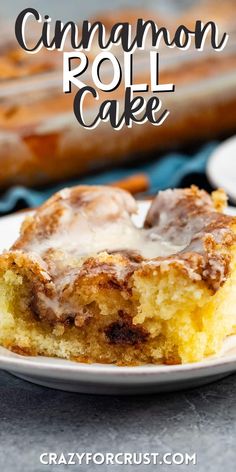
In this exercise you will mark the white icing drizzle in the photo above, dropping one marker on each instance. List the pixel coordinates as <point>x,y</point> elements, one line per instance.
<point>79,235</point>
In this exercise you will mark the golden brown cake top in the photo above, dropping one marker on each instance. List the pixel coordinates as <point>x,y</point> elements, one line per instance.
<point>89,220</point>
<point>88,233</point>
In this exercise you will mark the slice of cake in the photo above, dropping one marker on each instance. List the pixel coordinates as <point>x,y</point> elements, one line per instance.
<point>83,282</point>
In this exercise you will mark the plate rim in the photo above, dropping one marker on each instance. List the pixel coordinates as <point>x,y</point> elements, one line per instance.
<point>213,177</point>
<point>42,363</point>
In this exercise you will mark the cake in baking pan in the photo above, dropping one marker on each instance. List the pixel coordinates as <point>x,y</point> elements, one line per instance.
<point>41,140</point>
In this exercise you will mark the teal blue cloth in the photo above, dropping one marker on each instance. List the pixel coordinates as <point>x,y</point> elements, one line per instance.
<point>168,171</point>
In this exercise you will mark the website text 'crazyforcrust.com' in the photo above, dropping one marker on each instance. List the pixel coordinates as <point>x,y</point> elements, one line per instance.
<point>120,458</point>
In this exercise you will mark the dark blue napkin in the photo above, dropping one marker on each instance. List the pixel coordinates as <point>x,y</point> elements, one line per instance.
<point>169,171</point>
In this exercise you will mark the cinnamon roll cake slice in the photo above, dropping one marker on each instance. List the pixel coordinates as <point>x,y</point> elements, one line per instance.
<point>83,282</point>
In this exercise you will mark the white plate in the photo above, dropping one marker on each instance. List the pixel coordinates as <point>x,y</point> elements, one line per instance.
<point>221,167</point>
<point>109,379</point>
